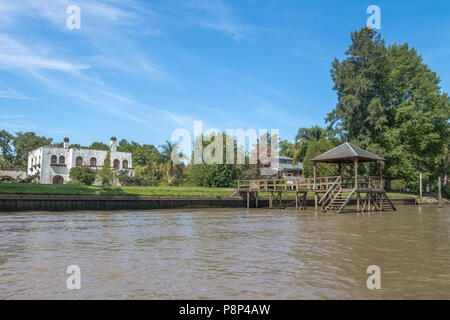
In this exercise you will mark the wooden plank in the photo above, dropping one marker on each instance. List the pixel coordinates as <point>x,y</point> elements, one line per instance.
<point>420,188</point>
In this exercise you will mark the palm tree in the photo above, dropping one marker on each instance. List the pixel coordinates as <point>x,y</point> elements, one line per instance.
<point>303,139</point>
<point>172,170</point>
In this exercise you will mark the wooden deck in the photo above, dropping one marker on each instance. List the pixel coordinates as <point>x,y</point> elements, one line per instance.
<point>331,193</point>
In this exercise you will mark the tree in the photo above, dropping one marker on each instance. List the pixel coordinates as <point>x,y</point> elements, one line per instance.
<point>5,143</point>
<point>26,142</point>
<point>106,174</point>
<point>390,103</point>
<point>303,139</point>
<point>172,171</point>
<point>286,148</point>
<point>418,134</point>
<point>83,175</point>
<point>359,81</point>
<point>99,146</point>
<point>323,170</point>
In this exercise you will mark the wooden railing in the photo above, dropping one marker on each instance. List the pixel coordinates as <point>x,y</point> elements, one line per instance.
<point>322,184</point>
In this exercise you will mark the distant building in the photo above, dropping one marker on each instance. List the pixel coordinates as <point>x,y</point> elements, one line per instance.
<point>284,170</point>
<point>53,163</point>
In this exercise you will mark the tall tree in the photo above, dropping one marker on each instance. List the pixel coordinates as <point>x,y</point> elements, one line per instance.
<point>417,136</point>
<point>172,170</point>
<point>359,81</point>
<point>5,143</point>
<point>390,103</point>
<point>26,142</point>
<point>304,138</point>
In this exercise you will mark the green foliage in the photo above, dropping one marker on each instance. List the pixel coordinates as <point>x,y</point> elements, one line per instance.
<point>6,140</point>
<point>106,174</point>
<point>446,191</point>
<point>323,169</point>
<point>125,180</point>
<point>304,138</point>
<point>286,148</point>
<point>390,103</point>
<point>217,174</point>
<point>99,146</point>
<point>24,143</point>
<point>34,178</point>
<point>398,184</point>
<point>173,172</point>
<point>84,175</point>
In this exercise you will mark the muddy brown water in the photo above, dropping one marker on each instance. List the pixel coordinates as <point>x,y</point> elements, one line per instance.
<point>226,254</point>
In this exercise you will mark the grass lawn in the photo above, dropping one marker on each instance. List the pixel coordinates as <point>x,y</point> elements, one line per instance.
<point>70,189</point>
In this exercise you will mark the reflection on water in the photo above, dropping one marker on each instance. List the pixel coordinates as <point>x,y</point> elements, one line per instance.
<point>226,254</point>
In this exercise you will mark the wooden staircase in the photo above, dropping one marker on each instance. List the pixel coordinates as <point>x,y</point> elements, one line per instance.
<point>335,201</point>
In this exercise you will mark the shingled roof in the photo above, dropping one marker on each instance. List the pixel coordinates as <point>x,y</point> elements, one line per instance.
<point>347,153</point>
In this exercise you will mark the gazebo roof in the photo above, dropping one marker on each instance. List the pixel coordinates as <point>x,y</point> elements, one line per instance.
<point>347,153</point>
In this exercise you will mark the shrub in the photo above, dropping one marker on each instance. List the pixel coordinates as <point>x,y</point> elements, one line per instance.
<point>126,180</point>
<point>323,169</point>
<point>446,191</point>
<point>398,184</point>
<point>84,175</point>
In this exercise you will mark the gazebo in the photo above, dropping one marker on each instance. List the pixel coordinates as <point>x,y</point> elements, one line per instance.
<point>338,195</point>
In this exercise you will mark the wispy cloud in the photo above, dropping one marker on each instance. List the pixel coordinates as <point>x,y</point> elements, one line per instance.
<point>9,93</point>
<point>14,54</point>
<point>15,116</point>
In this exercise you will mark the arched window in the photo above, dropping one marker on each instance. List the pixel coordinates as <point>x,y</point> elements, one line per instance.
<point>58,180</point>
<point>79,162</point>
<point>116,164</point>
<point>125,164</point>
<point>93,162</point>
<point>62,160</point>
<point>54,159</point>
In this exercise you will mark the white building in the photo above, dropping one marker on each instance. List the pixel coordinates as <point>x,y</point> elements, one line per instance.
<point>285,169</point>
<point>53,163</point>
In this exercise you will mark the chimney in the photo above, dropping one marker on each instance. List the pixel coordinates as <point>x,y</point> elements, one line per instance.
<point>113,144</point>
<point>66,143</point>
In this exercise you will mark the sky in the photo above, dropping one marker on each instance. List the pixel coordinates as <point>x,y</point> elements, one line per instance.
<point>138,70</point>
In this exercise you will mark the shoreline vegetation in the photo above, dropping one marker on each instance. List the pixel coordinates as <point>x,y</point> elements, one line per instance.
<point>157,191</point>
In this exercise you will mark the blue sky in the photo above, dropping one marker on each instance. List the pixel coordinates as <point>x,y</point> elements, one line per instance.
<point>141,69</point>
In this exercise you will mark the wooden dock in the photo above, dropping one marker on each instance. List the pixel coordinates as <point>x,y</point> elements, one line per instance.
<point>331,193</point>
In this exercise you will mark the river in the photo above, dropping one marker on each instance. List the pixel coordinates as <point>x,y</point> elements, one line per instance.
<point>226,254</point>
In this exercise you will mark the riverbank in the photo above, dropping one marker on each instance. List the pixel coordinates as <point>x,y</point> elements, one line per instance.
<point>152,191</point>
<point>36,197</point>
<point>22,203</point>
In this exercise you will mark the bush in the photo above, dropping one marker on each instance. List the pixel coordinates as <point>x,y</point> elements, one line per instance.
<point>83,175</point>
<point>323,169</point>
<point>446,191</point>
<point>398,184</point>
<point>126,180</point>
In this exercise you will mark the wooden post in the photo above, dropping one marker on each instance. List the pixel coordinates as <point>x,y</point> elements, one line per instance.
<point>296,200</point>
<point>439,192</point>
<point>314,186</point>
<point>381,184</point>
<point>271,200</point>
<point>420,188</point>
<point>248,199</point>
<point>356,184</point>
<point>256,199</point>
<point>381,175</point>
